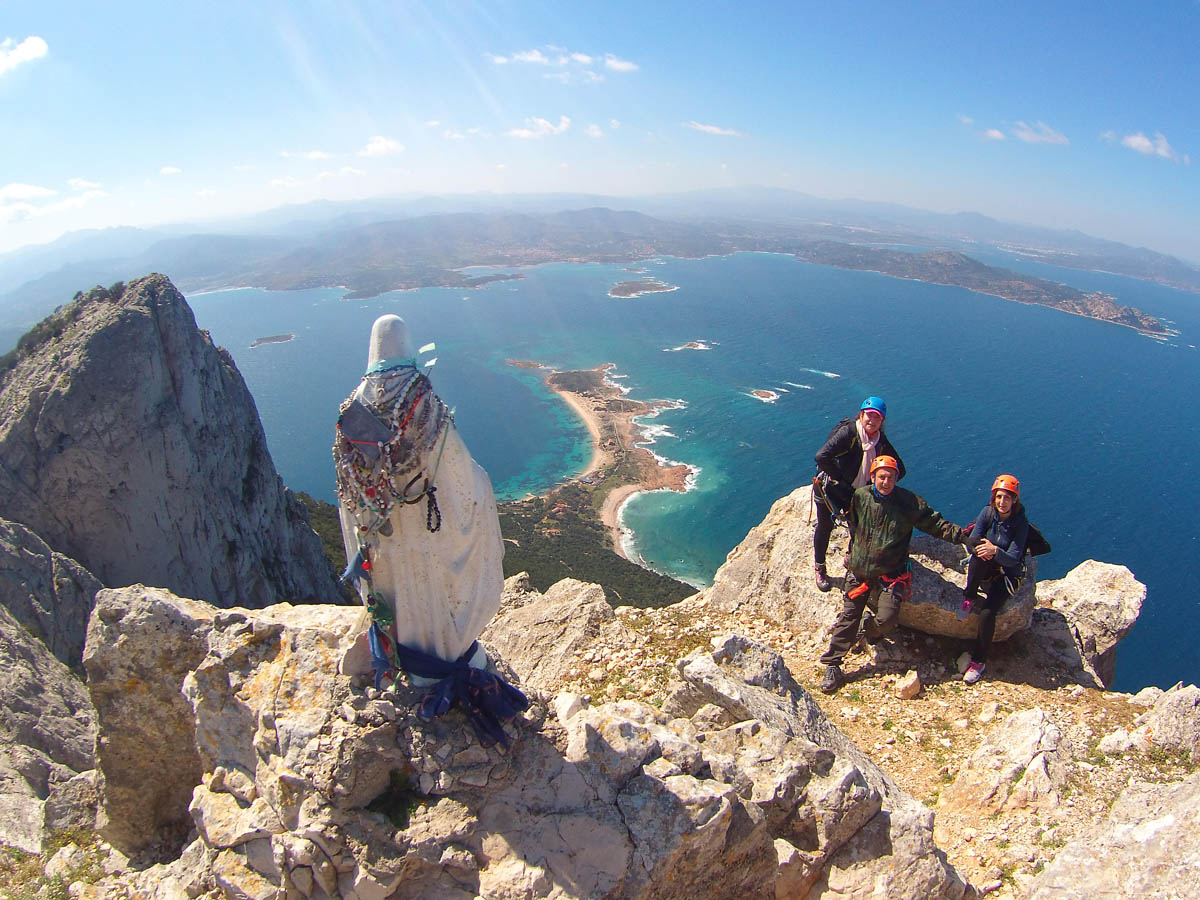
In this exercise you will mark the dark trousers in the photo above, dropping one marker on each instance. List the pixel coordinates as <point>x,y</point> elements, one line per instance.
<point>824,527</point>
<point>881,599</point>
<point>998,587</point>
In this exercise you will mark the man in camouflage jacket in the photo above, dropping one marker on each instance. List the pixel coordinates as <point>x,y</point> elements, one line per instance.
<point>882,519</point>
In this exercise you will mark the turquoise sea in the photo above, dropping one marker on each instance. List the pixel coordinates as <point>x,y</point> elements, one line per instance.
<point>1093,418</point>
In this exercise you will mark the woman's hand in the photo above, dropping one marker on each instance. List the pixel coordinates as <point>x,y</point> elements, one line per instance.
<point>986,549</point>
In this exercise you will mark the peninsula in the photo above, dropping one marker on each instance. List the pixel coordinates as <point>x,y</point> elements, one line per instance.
<point>619,468</point>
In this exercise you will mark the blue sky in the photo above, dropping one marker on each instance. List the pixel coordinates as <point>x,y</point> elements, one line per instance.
<point>1072,115</point>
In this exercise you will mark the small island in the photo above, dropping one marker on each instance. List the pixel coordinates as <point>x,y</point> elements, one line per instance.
<point>626,289</point>
<point>764,396</point>
<point>691,345</point>
<point>272,339</point>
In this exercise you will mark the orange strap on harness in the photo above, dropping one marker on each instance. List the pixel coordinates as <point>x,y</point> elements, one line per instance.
<point>859,591</point>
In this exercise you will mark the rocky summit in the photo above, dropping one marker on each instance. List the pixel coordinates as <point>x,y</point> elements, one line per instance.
<point>130,443</point>
<point>216,751</point>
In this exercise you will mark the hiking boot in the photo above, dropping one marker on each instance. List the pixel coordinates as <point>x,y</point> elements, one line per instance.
<point>832,680</point>
<point>974,672</point>
<point>823,582</point>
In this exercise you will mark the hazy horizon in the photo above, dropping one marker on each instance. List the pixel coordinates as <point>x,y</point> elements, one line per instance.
<point>1068,117</point>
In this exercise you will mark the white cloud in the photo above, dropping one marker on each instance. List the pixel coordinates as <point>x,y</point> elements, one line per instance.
<point>966,120</point>
<point>619,65</point>
<point>343,172</point>
<point>170,170</point>
<point>244,167</point>
<point>500,167</point>
<point>287,182</point>
<point>18,191</point>
<point>433,123</point>
<point>381,146</point>
<point>582,58</point>
<point>614,123</point>
<point>1038,133</point>
<point>712,129</point>
<point>530,56</point>
<point>307,154</point>
<point>206,192</point>
<point>540,128</point>
<point>497,60</point>
<point>993,134</point>
<point>15,205</point>
<point>13,54</point>
<point>1156,146</point>
<point>451,135</point>
<point>594,130</point>
<point>82,184</point>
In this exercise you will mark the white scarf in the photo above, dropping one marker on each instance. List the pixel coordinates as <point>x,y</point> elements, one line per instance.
<point>868,446</point>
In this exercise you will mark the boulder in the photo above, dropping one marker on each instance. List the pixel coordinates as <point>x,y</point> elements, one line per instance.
<point>541,636</point>
<point>46,737</point>
<point>1148,847</point>
<point>48,593</point>
<point>1017,765</point>
<point>769,575</point>
<point>1173,723</point>
<point>1101,601</point>
<point>310,783</point>
<point>141,644</point>
<point>130,443</point>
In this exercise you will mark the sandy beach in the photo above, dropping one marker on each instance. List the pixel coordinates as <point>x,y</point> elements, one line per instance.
<point>609,416</point>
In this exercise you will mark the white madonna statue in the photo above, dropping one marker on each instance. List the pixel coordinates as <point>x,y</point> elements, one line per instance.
<point>417,512</point>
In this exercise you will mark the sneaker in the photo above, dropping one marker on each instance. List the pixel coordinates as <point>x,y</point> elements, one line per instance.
<point>823,582</point>
<point>832,679</point>
<point>973,674</point>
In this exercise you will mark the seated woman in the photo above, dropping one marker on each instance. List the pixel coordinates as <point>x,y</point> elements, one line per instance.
<point>997,565</point>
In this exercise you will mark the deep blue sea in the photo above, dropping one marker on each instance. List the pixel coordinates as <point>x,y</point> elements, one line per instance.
<point>1093,418</point>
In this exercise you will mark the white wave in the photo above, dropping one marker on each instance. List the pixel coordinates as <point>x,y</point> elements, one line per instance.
<point>781,390</point>
<point>803,387</point>
<point>822,372</point>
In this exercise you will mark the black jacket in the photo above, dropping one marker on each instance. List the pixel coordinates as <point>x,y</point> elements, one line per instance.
<point>841,457</point>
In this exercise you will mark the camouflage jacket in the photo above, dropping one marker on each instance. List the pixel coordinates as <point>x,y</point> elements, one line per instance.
<point>881,527</point>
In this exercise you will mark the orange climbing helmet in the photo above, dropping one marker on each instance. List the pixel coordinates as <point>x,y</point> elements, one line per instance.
<point>1007,483</point>
<point>887,462</point>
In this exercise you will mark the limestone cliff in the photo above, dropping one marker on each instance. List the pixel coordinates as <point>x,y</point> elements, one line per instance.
<point>130,443</point>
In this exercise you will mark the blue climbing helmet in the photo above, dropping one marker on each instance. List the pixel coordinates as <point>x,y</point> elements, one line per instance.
<point>875,403</point>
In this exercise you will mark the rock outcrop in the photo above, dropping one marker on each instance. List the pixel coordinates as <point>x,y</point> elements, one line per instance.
<point>1149,848</point>
<point>130,443</point>
<point>769,574</point>
<point>50,594</point>
<point>1066,628</point>
<point>46,736</point>
<point>309,783</point>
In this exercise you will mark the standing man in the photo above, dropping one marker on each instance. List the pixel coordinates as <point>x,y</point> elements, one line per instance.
<point>843,464</point>
<point>882,518</point>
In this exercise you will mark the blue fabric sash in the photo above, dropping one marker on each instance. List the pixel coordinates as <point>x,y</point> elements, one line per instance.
<point>487,699</point>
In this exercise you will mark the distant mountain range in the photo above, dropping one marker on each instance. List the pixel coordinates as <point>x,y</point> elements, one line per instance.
<point>375,246</point>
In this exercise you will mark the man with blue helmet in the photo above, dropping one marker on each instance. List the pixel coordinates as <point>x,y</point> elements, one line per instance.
<point>844,464</point>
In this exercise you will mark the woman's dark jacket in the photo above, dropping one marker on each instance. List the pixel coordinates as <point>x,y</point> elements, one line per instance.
<point>841,458</point>
<point>1009,535</point>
